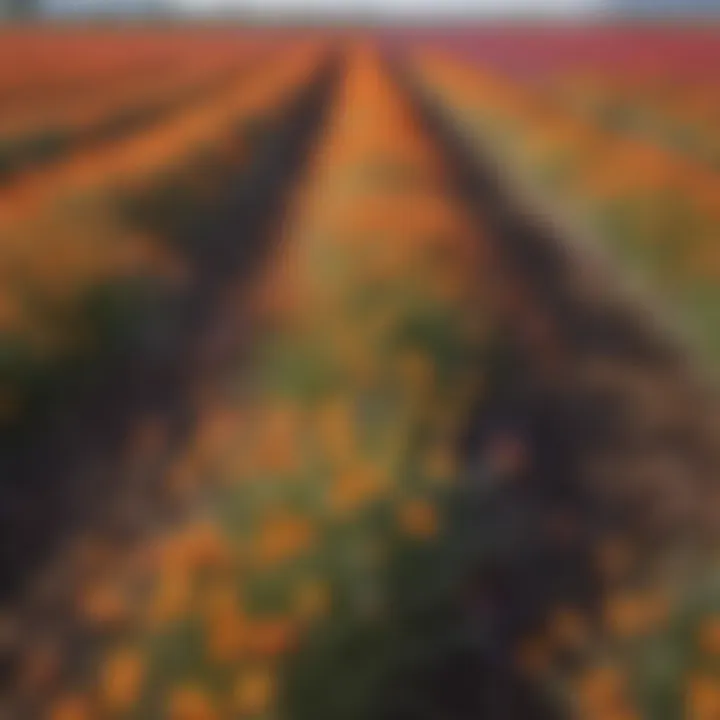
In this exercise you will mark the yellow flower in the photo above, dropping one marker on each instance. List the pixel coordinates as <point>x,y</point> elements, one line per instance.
<point>418,519</point>
<point>190,703</point>
<point>121,679</point>
<point>254,692</point>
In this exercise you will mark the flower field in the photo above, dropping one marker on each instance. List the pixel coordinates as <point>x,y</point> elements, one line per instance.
<point>624,140</point>
<point>314,406</point>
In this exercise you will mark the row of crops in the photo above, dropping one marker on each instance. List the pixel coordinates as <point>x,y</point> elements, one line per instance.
<point>88,236</point>
<point>607,161</point>
<point>361,500</point>
<point>605,155</point>
<point>110,257</point>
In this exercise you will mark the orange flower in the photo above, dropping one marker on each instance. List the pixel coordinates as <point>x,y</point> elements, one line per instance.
<point>600,690</point>
<point>208,546</point>
<point>703,698</point>
<point>71,707</point>
<point>278,449</point>
<point>103,603</point>
<point>283,537</point>
<point>199,545</point>
<point>418,519</point>
<point>355,488</point>
<point>335,425</point>
<point>271,637</point>
<point>191,703</point>
<point>709,636</point>
<point>172,597</point>
<point>632,614</point>
<point>226,626</point>
<point>121,680</point>
<point>254,692</point>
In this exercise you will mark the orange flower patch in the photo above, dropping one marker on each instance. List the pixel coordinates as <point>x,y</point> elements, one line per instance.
<point>121,678</point>
<point>709,636</point>
<point>199,545</point>
<point>632,614</point>
<point>191,703</point>
<point>418,519</point>
<point>601,691</point>
<point>71,707</point>
<point>279,447</point>
<point>702,698</point>
<point>355,488</point>
<point>335,426</point>
<point>254,692</point>
<point>172,597</point>
<point>226,634</point>
<point>103,603</point>
<point>218,430</point>
<point>283,537</point>
<point>271,637</point>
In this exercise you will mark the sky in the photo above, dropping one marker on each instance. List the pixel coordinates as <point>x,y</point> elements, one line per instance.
<point>412,7</point>
<point>563,9</point>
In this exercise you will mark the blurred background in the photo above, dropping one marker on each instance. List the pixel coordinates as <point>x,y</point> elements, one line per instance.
<point>359,359</point>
